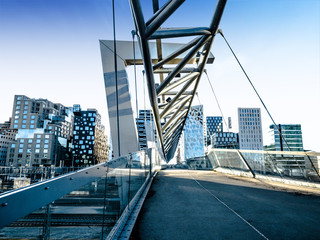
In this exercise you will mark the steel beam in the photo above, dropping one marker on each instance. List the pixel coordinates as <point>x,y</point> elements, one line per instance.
<point>179,82</point>
<point>177,53</point>
<point>180,32</point>
<point>177,109</point>
<point>162,16</point>
<point>182,63</point>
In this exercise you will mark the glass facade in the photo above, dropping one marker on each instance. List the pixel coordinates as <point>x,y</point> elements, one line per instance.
<point>214,124</point>
<point>146,128</point>
<point>292,134</point>
<point>225,140</point>
<point>193,133</point>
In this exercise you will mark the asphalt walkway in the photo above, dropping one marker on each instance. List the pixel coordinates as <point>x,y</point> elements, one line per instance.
<point>184,204</point>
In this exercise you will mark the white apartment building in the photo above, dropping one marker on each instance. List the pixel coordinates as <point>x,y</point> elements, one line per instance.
<point>250,129</point>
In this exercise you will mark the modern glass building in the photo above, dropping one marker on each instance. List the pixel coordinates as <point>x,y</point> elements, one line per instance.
<point>213,124</point>
<point>225,140</point>
<point>292,134</point>
<point>193,133</point>
<point>146,129</point>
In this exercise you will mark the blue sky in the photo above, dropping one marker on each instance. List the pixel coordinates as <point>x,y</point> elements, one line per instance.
<point>50,49</point>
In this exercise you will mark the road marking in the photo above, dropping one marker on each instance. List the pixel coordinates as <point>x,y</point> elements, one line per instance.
<point>223,203</point>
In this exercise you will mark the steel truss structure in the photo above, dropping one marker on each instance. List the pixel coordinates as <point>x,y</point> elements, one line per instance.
<point>171,99</point>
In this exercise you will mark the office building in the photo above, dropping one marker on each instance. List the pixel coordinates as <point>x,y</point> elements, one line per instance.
<point>43,133</point>
<point>90,144</point>
<point>213,124</point>
<point>146,129</point>
<point>292,134</point>
<point>225,140</point>
<point>193,133</point>
<point>250,129</point>
<point>7,137</point>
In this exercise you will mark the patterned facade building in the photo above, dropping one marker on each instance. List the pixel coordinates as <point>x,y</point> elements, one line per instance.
<point>225,140</point>
<point>44,133</point>
<point>90,144</point>
<point>193,133</point>
<point>213,124</point>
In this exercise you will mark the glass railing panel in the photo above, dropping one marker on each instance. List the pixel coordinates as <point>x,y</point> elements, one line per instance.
<point>17,177</point>
<point>230,159</point>
<point>285,164</point>
<point>89,211</point>
<point>199,163</point>
<point>257,161</point>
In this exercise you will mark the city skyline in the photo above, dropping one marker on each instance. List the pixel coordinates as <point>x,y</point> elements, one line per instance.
<point>51,50</point>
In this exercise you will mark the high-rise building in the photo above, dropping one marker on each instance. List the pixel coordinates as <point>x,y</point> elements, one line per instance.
<point>44,132</point>
<point>7,137</point>
<point>213,124</point>
<point>292,134</point>
<point>250,128</point>
<point>193,133</point>
<point>225,140</point>
<point>90,144</point>
<point>146,129</point>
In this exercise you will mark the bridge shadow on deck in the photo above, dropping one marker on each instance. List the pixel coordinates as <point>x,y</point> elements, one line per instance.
<point>185,204</point>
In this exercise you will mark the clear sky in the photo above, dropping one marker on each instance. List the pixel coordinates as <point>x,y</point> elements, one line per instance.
<point>50,49</point>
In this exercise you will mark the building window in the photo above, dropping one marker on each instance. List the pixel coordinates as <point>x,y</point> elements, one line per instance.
<point>47,136</point>
<point>37,145</point>
<point>33,117</point>
<point>46,146</point>
<point>31,126</point>
<point>45,150</point>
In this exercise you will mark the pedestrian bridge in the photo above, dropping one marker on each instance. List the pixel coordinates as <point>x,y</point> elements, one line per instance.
<point>237,194</point>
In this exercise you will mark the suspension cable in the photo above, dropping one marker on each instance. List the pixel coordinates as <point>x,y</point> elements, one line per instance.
<point>215,96</point>
<point>116,75</point>
<point>144,107</point>
<point>135,72</point>
<point>265,107</point>
<point>224,120</point>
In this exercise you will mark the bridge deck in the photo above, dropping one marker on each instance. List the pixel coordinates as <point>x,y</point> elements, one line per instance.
<point>186,204</point>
